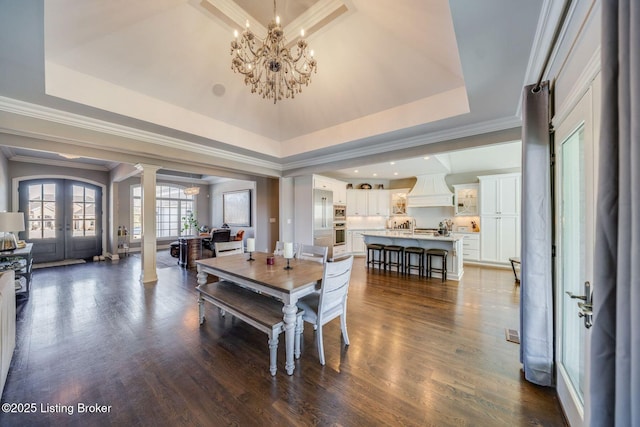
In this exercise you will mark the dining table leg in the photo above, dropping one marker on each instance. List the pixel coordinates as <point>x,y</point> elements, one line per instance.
<point>290,311</point>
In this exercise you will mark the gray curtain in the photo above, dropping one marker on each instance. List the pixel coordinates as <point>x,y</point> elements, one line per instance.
<point>614,395</point>
<point>536,290</point>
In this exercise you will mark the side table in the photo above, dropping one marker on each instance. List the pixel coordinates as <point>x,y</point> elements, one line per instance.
<point>21,262</point>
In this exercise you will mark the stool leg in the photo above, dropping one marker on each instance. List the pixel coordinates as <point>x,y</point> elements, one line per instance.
<point>444,268</point>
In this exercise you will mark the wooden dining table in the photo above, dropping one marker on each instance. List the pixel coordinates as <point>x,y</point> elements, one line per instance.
<point>271,280</point>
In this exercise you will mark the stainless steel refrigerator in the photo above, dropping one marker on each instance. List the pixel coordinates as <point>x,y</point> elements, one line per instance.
<point>323,219</point>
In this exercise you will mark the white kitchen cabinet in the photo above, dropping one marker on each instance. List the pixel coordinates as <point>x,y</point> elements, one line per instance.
<point>339,192</point>
<point>500,194</point>
<point>466,199</point>
<point>357,203</point>
<point>398,200</point>
<point>500,238</point>
<point>499,218</point>
<point>338,188</point>
<point>471,247</point>
<point>368,202</point>
<point>357,243</point>
<point>322,183</point>
<point>378,202</point>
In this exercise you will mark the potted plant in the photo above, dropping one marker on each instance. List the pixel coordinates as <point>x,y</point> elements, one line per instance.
<point>189,222</point>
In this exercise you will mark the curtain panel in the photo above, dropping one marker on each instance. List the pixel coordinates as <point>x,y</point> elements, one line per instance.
<point>614,395</point>
<point>536,287</point>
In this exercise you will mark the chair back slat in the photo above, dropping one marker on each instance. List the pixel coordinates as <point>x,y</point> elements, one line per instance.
<point>229,248</point>
<point>313,253</point>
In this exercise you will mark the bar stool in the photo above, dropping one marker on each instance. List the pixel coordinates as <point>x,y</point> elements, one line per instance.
<point>372,249</point>
<point>408,266</point>
<point>438,253</point>
<point>391,252</point>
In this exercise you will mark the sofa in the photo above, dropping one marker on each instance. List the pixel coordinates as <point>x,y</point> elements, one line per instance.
<point>7,323</point>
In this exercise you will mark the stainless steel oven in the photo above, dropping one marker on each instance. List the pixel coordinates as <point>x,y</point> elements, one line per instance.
<point>339,213</point>
<point>339,233</point>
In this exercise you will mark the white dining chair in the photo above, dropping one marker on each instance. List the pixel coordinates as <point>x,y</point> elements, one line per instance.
<point>313,253</point>
<point>228,248</point>
<point>331,302</point>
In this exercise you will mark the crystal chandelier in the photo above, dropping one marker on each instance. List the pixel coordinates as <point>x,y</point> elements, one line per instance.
<point>269,67</point>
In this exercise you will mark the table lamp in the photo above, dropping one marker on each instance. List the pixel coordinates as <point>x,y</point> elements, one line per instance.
<point>10,222</point>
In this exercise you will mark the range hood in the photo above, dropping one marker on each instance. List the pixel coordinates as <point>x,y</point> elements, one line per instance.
<point>430,190</point>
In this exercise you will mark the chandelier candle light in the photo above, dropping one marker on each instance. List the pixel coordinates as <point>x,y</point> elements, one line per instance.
<point>269,67</point>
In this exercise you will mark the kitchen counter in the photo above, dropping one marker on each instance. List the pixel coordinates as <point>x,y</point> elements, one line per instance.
<point>452,244</point>
<point>454,237</point>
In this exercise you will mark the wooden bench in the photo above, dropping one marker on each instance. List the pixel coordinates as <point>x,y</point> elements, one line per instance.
<point>260,311</point>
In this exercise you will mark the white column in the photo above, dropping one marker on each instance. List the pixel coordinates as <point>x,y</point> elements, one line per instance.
<point>115,220</point>
<point>149,273</point>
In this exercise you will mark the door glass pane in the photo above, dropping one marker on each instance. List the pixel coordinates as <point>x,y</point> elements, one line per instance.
<point>78,229</point>
<point>49,192</point>
<point>572,253</point>
<point>90,227</point>
<point>89,195</point>
<point>78,193</point>
<point>35,192</point>
<point>49,230</point>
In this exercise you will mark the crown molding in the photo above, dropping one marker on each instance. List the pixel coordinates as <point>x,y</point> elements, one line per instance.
<point>410,142</point>
<point>49,114</point>
<point>61,163</point>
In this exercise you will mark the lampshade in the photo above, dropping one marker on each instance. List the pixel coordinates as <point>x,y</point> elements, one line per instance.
<point>11,221</point>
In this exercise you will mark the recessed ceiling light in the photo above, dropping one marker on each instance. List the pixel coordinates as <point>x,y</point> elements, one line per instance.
<point>355,171</point>
<point>426,158</point>
<point>395,173</point>
<point>392,163</point>
<point>375,174</point>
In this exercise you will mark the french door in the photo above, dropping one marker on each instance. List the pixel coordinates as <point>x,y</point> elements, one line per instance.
<point>64,218</point>
<point>575,190</point>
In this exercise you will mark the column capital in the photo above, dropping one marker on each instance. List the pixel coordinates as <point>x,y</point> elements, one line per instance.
<point>144,167</point>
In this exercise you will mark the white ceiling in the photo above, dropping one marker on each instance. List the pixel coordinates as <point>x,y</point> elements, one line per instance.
<point>394,76</point>
<point>486,158</point>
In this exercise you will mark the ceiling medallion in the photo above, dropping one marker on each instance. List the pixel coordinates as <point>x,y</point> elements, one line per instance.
<point>269,67</point>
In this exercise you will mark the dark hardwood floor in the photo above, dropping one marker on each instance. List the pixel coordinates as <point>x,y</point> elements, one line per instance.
<point>422,353</point>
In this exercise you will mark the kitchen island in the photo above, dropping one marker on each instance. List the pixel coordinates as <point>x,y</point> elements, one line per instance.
<point>452,243</point>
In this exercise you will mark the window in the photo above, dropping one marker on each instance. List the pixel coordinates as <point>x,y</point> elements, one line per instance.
<point>171,205</point>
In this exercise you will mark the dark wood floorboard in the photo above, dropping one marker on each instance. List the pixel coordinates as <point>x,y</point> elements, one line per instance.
<point>422,353</point>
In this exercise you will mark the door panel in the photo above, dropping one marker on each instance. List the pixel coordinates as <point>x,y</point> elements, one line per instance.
<point>64,218</point>
<point>575,219</point>
<point>43,200</point>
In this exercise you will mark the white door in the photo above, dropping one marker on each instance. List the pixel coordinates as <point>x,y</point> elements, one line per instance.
<point>575,190</point>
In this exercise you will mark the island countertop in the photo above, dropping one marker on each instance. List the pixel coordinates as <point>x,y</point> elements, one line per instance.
<point>404,234</point>
<point>452,244</point>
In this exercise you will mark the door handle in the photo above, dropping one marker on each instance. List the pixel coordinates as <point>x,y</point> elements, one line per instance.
<point>585,307</point>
